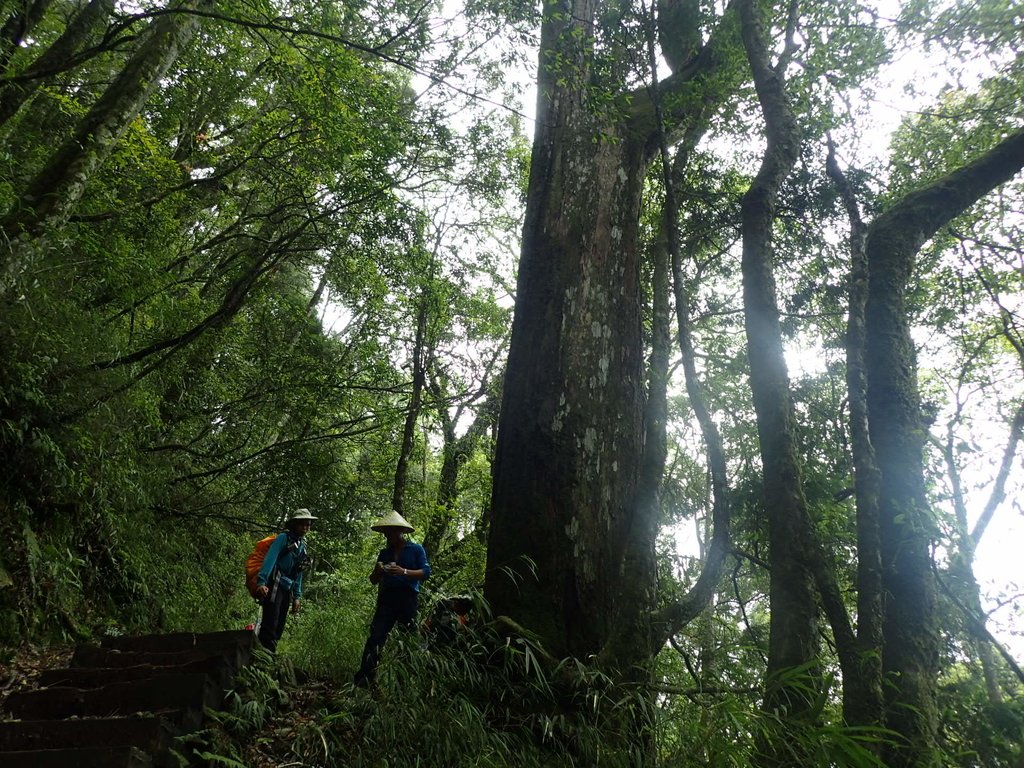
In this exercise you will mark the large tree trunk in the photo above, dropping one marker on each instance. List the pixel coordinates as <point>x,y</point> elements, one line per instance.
<point>564,517</point>
<point>631,640</point>
<point>897,425</point>
<point>570,431</point>
<point>59,186</point>
<point>793,642</point>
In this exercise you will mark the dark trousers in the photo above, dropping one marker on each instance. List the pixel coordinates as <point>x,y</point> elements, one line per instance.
<point>394,606</point>
<point>275,614</point>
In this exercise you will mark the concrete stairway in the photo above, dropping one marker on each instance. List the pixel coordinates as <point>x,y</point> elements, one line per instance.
<point>121,704</point>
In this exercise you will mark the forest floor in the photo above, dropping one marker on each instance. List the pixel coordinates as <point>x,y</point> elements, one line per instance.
<point>21,671</point>
<point>290,730</point>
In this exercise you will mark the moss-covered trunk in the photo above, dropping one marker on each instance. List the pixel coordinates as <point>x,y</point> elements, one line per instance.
<point>861,663</point>
<point>897,430</point>
<point>793,641</point>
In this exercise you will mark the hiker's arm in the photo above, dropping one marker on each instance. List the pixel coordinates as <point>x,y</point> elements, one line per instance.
<point>377,573</point>
<point>398,570</point>
<point>297,591</point>
<point>422,570</point>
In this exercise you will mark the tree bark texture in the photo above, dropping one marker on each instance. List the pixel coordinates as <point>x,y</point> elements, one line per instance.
<point>793,642</point>
<point>911,650</point>
<point>569,439</point>
<point>571,433</point>
<point>636,595</point>
<point>862,675</point>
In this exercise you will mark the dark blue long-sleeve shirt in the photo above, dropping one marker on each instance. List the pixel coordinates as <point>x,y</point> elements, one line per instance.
<point>412,557</point>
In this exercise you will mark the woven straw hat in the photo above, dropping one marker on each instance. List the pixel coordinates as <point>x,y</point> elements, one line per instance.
<point>392,520</point>
<point>301,514</point>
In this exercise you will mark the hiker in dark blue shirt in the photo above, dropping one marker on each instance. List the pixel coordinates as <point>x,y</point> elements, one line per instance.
<point>400,568</point>
<point>279,583</point>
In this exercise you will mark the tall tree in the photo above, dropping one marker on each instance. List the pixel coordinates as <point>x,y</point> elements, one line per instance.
<point>793,635</point>
<point>572,440</point>
<point>897,427</point>
<point>862,687</point>
<point>52,195</point>
<point>58,56</point>
<point>570,437</point>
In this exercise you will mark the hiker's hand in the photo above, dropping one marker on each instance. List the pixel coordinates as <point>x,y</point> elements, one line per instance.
<point>262,591</point>
<point>295,605</point>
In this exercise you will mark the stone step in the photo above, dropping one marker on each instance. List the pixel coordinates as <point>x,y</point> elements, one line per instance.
<point>99,757</point>
<point>95,656</point>
<point>218,666</point>
<point>121,704</point>
<point>182,641</point>
<point>191,690</point>
<point>150,733</point>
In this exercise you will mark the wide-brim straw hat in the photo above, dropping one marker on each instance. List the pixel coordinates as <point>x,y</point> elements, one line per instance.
<point>301,514</point>
<point>392,520</point>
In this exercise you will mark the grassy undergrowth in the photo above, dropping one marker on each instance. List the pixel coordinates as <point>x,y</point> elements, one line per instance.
<point>486,701</point>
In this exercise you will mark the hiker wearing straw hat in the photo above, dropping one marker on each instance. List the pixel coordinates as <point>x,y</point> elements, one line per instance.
<point>400,568</point>
<point>279,582</point>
